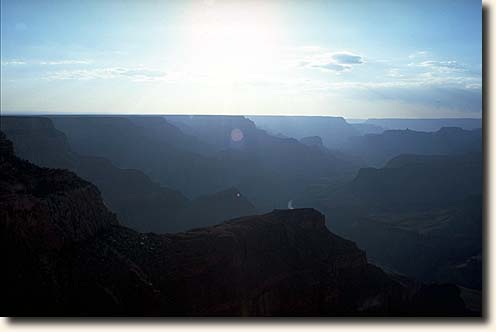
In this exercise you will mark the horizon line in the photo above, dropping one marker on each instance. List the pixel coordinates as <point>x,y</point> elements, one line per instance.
<point>16,113</point>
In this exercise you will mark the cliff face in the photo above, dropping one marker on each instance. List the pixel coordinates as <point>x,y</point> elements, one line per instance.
<point>412,182</point>
<point>377,149</point>
<point>284,263</point>
<point>43,206</point>
<point>141,148</point>
<point>38,141</point>
<point>268,170</point>
<point>47,219</point>
<point>281,263</point>
<point>334,131</point>
<point>420,215</point>
<point>65,254</point>
<point>138,201</point>
<point>6,147</point>
<point>315,141</point>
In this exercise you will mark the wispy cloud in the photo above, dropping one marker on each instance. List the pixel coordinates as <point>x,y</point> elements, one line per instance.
<point>83,69</point>
<point>458,98</point>
<point>332,66</point>
<point>457,92</point>
<point>46,63</point>
<point>65,62</point>
<point>13,63</point>
<point>135,74</point>
<point>418,54</point>
<point>394,73</point>
<point>451,64</point>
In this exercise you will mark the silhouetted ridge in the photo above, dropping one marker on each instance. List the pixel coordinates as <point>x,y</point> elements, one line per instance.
<point>334,131</point>
<point>284,263</point>
<point>312,141</point>
<point>417,205</point>
<point>6,146</point>
<point>305,218</point>
<point>426,124</point>
<point>377,149</point>
<point>411,181</point>
<point>49,148</point>
<point>51,200</point>
<point>268,170</point>
<point>139,202</point>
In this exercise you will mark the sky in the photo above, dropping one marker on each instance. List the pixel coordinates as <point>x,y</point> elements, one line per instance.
<point>354,58</point>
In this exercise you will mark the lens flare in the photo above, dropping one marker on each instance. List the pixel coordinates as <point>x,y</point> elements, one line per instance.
<point>236,135</point>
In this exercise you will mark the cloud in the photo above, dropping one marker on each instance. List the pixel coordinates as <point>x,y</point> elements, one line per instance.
<point>332,66</point>
<point>426,80</point>
<point>338,61</point>
<point>142,72</point>
<point>441,64</point>
<point>418,54</point>
<point>452,97</point>
<point>473,86</point>
<point>13,63</point>
<point>347,58</point>
<point>395,73</point>
<point>457,93</point>
<point>139,74</point>
<point>65,62</point>
<point>46,63</point>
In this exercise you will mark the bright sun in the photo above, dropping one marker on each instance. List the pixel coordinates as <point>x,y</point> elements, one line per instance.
<point>233,41</point>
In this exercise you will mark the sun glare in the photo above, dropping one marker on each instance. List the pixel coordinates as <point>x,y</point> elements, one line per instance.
<point>228,42</point>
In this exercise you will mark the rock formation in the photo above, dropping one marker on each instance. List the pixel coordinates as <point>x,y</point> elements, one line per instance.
<point>65,254</point>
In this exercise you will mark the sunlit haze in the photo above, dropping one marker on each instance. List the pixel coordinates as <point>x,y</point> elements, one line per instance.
<point>357,59</point>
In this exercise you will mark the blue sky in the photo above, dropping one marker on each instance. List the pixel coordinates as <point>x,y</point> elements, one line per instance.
<point>355,59</point>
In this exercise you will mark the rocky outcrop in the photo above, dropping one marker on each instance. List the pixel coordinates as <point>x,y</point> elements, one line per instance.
<point>42,206</point>
<point>411,182</point>
<point>284,263</point>
<point>48,218</point>
<point>38,141</point>
<point>426,124</point>
<point>139,202</point>
<point>6,147</point>
<point>427,208</point>
<point>269,170</point>
<point>377,149</point>
<point>278,264</point>
<point>127,143</point>
<point>315,141</point>
<point>334,131</point>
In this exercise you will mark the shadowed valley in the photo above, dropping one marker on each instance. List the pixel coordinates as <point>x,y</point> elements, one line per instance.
<point>210,215</point>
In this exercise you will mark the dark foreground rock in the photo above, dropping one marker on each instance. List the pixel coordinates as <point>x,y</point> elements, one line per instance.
<point>63,253</point>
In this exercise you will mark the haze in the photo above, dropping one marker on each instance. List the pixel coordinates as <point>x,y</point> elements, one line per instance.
<point>380,59</point>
